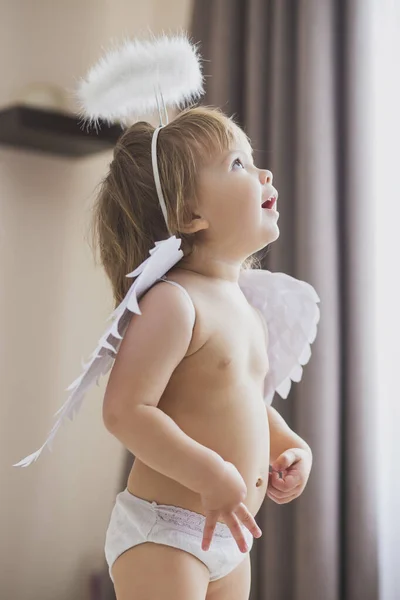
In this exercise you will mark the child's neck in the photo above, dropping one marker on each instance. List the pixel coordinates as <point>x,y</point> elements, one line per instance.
<point>214,268</point>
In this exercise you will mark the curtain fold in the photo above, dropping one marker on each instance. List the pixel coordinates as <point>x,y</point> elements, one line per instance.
<point>295,76</point>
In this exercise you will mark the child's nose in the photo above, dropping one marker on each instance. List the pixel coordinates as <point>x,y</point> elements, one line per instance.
<point>266,176</point>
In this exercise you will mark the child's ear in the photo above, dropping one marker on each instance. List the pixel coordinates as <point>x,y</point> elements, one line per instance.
<point>196,224</point>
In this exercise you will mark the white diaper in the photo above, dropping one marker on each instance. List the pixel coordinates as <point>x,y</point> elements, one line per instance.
<point>135,521</point>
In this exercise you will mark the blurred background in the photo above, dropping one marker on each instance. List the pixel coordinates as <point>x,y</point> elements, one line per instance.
<point>314,84</point>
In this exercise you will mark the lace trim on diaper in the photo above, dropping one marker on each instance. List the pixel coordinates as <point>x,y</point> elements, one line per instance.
<point>189,519</point>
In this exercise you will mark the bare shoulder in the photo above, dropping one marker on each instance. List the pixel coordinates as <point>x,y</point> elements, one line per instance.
<point>215,307</point>
<point>153,346</point>
<point>199,295</point>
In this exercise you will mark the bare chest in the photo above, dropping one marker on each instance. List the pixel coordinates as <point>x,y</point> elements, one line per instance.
<point>228,350</point>
<point>229,347</point>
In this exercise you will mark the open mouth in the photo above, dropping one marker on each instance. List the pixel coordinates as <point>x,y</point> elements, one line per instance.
<point>270,203</point>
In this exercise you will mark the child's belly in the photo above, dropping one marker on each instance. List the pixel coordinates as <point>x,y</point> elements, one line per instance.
<point>233,423</point>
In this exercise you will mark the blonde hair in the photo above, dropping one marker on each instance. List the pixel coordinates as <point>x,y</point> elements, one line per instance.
<point>127,218</point>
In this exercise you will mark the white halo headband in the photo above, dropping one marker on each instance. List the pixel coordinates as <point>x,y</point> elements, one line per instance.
<point>127,81</point>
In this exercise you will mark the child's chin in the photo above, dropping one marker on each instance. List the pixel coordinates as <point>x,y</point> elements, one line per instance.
<point>268,239</point>
<point>272,235</point>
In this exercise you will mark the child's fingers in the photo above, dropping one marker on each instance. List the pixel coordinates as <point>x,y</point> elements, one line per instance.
<point>233,523</point>
<point>208,532</point>
<point>248,520</point>
<point>289,481</point>
<point>280,495</point>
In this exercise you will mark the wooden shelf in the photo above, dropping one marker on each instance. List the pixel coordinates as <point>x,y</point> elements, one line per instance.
<point>52,132</point>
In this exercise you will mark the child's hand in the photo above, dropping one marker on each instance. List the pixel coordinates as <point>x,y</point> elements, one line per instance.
<point>225,497</point>
<point>295,466</point>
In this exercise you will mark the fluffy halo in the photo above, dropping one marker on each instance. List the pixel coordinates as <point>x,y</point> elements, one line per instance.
<point>123,83</point>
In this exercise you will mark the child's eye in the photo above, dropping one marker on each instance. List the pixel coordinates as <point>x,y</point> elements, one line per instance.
<point>237,161</point>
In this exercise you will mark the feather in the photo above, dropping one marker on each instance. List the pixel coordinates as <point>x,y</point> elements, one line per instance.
<point>163,257</point>
<point>291,313</point>
<point>124,82</point>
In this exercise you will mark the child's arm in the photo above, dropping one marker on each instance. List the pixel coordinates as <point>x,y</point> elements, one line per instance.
<point>153,346</point>
<point>281,436</point>
<point>152,436</point>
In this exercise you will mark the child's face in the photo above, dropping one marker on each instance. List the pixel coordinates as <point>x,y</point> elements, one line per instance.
<point>231,190</point>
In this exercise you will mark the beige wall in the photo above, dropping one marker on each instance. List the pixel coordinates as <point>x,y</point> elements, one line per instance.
<point>53,308</point>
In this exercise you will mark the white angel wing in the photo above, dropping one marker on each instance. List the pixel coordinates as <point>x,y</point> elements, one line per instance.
<point>162,258</point>
<point>290,310</point>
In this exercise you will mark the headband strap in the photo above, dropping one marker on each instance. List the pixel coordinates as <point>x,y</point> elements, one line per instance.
<point>157,174</point>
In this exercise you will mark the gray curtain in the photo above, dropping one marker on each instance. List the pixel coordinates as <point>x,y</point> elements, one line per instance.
<point>295,73</point>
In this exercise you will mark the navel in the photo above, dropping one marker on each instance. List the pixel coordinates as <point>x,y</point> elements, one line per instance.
<point>259,482</point>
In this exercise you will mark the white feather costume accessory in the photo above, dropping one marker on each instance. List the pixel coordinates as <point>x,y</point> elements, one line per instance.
<point>288,307</point>
<point>126,81</point>
<point>135,79</point>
